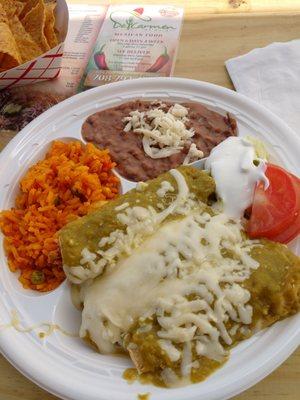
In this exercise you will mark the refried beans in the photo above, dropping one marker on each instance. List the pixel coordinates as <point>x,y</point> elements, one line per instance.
<point>105,129</point>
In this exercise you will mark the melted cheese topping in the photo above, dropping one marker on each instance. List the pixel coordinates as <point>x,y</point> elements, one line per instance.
<point>183,258</point>
<point>164,133</point>
<point>141,186</point>
<point>170,349</point>
<point>122,207</point>
<point>140,222</point>
<point>164,188</point>
<point>185,274</point>
<point>193,154</point>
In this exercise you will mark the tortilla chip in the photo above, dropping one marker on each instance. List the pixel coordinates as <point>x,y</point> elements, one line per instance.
<point>3,17</point>
<point>12,7</point>
<point>34,22</point>
<point>9,53</point>
<point>28,49</point>
<point>28,6</point>
<point>19,7</point>
<point>49,24</point>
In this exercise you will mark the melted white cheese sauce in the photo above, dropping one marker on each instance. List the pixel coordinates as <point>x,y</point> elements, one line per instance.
<point>183,257</point>
<point>231,165</point>
<point>164,188</point>
<point>140,222</point>
<point>177,271</point>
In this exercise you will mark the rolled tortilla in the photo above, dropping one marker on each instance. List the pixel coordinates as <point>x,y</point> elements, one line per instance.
<point>83,235</point>
<point>192,287</point>
<point>275,295</point>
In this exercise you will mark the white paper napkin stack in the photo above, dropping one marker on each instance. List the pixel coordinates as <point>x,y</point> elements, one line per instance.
<point>271,76</point>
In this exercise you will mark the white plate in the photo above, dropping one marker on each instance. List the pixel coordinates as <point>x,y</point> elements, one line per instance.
<point>66,366</point>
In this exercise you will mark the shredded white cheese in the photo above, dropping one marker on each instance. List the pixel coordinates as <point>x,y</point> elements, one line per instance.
<point>122,206</point>
<point>141,186</point>
<point>193,154</point>
<point>140,222</point>
<point>158,104</point>
<point>170,349</point>
<point>164,188</point>
<point>183,258</point>
<point>177,271</point>
<point>164,132</point>
<point>169,377</point>
<point>187,359</point>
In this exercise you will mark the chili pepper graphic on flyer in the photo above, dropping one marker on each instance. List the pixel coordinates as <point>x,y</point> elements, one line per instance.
<point>99,58</point>
<point>160,62</point>
<point>139,10</point>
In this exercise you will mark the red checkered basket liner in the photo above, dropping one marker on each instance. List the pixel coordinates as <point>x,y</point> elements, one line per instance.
<point>47,65</point>
<point>44,67</point>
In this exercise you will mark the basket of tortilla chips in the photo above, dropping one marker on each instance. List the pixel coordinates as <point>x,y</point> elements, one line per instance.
<point>32,34</point>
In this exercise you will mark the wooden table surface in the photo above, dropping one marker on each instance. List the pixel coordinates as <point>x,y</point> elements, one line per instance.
<point>213,31</point>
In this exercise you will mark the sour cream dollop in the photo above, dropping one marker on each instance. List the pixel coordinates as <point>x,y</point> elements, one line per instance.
<point>232,167</point>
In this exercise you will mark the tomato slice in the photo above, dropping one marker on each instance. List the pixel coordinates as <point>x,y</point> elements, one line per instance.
<point>294,229</point>
<point>276,210</point>
<point>290,233</point>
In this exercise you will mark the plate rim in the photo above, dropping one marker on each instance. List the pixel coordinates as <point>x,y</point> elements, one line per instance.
<point>293,341</point>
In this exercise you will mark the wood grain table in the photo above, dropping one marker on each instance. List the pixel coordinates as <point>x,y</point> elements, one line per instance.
<point>213,31</point>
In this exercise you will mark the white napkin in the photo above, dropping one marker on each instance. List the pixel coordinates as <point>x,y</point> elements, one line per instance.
<point>271,76</point>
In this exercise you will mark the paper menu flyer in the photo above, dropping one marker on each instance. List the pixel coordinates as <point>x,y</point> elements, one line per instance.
<point>137,39</point>
<point>85,23</point>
